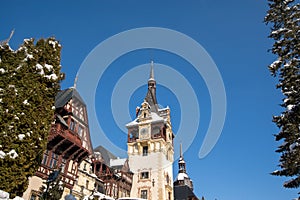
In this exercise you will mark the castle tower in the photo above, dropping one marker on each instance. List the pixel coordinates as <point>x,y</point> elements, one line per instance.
<point>183,185</point>
<point>150,148</point>
<point>182,177</point>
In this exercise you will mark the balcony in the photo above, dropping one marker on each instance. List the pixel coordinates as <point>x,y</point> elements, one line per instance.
<point>63,141</point>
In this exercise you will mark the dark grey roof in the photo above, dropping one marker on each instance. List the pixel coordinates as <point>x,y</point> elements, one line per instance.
<point>106,155</point>
<point>64,96</point>
<point>183,193</point>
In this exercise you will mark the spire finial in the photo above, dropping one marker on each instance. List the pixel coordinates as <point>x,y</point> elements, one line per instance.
<point>5,42</point>
<point>75,81</point>
<point>151,71</point>
<point>180,150</point>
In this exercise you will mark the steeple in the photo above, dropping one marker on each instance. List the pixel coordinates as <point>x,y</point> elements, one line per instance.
<point>151,71</point>
<point>182,178</point>
<point>151,94</point>
<point>183,181</point>
<point>150,147</point>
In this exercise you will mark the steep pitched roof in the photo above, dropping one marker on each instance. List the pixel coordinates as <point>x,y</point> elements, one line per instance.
<point>151,94</point>
<point>106,155</point>
<point>183,192</point>
<point>64,96</point>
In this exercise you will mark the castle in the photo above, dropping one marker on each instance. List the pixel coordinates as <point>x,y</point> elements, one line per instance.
<point>87,173</point>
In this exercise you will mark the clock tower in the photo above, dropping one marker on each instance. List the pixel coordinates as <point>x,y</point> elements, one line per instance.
<point>150,148</point>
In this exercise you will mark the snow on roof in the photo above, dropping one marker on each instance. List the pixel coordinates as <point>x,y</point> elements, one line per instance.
<point>156,117</point>
<point>101,196</point>
<point>134,122</point>
<point>117,162</point>
<point>181,161</point>
<point>182,176</point>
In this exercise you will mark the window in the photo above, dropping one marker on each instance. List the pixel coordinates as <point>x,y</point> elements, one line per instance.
<point>45,158</point>
<point>63,164</point>
<point>168,179</point>
<point>87,184</point>
<point>33,197</point>
<point>144,194</point>
<point>53,161</point>
<point>144,175</point>
<point>80,131</point>
<point>72,125</point>
<point>145,150</point>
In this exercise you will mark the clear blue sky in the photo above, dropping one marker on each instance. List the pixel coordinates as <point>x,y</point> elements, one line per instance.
<point>233,34</point>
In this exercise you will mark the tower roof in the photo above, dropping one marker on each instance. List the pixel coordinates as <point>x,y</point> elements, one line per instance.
<point>64,96</point>
<point>182,178</point>
<point>151,94</point>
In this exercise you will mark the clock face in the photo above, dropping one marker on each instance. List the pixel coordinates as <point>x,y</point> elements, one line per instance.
<point>144,133</point>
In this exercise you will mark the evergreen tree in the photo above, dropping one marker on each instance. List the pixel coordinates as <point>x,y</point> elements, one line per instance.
<point>54,189</point>
<point>284,16</point>
<point>29,80</point>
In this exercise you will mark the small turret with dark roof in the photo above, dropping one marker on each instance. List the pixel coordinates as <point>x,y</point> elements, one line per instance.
<point>183,185</point>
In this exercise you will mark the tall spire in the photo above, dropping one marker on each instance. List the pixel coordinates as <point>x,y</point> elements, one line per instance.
<point>181,150</point>
<point>151,94</point>
<point>151,71</point>
<point>75,81</point>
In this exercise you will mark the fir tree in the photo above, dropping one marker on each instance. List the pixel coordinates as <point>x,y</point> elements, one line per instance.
<point>29,80</point>
<point>54,188</point>
<point>284,16</point>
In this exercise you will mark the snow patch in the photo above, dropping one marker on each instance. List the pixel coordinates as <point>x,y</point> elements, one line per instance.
<point>18,198</point>
<point>4,195</point>
<point>27,40</point>
<point>12,154</point>
<point>19,67</point>
<point>51,77</point>
<point>2,71</point>
<point>293,146</point>
<point>54,43</point>
<point>21,136</point>
<point>25,102</point>
<point>290,107</point>
<point>49,67</point>
<point>40,68</point>
<point>274,64</point>
<point>2,154</point>
<point>28,56</point>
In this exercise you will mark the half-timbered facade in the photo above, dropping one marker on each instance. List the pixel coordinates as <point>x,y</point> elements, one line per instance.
<point>113,171</point>
<point>68,143</point>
